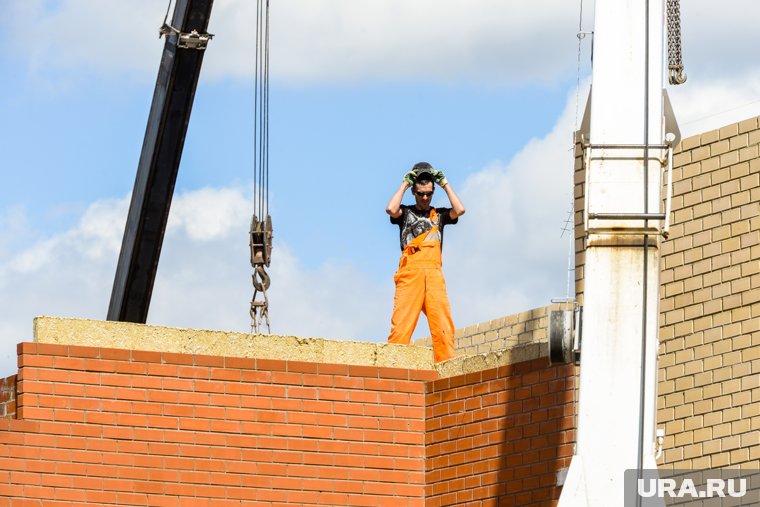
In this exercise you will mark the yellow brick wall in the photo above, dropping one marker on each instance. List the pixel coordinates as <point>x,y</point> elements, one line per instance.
<point>502,333</point>
<point>709,378</point>
<point>578,207</point>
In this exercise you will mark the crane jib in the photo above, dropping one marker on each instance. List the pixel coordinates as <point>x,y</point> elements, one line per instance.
<point>159,160</point>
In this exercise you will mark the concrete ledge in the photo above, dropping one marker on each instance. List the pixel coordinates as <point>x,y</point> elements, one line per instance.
<point>125,335</point>
<point>486,361</point>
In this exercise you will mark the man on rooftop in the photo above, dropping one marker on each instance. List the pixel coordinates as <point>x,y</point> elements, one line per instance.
<point>419,280</point>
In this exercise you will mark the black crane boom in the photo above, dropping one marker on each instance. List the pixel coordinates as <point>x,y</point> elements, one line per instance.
<point>159,161</point>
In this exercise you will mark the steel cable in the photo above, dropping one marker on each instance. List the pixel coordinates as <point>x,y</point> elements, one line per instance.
<point>261,223</point>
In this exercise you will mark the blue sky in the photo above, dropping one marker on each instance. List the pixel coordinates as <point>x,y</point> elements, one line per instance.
<point>361,90</point>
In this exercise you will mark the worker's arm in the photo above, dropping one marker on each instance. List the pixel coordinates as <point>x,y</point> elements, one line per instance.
<point>457,208</point>
<point>394,205</point>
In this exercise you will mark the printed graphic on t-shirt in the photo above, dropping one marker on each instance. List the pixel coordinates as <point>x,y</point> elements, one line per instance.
<point>413,224</point>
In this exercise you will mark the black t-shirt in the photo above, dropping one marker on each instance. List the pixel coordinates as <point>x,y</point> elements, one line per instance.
<point>413,222</point>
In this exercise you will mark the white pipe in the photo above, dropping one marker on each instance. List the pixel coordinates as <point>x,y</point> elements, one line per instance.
<point>669,138</point>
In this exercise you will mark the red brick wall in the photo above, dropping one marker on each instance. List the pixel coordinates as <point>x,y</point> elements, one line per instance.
<point>498,437</point>
<point>105,426</point>
<point>118,427</point>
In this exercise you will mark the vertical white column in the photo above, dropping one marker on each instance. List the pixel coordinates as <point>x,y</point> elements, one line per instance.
<point>621,283</point>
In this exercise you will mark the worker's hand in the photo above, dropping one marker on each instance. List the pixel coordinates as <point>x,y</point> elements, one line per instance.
<point>439,177</point>
<point>410,177</point>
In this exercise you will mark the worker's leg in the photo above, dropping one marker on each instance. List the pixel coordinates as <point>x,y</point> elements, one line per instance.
<point>438,313</point>
<point>407,303</point>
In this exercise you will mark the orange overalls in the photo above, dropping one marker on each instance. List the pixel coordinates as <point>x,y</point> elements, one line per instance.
<point>420,287</point>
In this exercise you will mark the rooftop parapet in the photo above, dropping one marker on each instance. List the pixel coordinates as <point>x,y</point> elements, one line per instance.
<point>125,335</point>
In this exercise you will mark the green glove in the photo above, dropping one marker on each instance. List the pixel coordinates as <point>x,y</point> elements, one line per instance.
<point>440,178</point>
<point>410,177</point>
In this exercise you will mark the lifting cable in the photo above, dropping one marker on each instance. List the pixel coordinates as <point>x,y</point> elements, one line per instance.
<point>260,232</point>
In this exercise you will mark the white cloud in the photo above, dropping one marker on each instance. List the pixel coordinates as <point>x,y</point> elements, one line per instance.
<point>313,40</point>
<point>703,106</point>
<point>76,35</point>
<point>438,40</point>
<point>720,41</point>
<point>335,41</point>
<point>95,238</point>
<point>209,214</point>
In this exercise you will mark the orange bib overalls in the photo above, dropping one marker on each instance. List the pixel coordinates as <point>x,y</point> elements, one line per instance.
<point>420,287</point>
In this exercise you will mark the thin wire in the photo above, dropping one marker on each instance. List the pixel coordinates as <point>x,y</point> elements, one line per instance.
<point>570,249</point>
<point>722,112</point>
<point>578,71</point>
<point>570,244</point>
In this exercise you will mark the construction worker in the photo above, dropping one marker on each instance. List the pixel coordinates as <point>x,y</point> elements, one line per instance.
<point>419,281</point>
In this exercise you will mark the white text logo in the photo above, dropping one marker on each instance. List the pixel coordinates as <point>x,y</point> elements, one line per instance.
<point>735,488</point>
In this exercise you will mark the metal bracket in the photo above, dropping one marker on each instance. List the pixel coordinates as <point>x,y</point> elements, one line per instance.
<point>646,230</point>
<point>194,40</point>
<point>671,123</point>
<point>672,138</point>
<point>565,331</point>
<point>260,236</point>
<point>185,40</point>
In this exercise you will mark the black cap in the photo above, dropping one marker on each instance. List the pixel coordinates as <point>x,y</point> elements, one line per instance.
<point>422,166</point>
